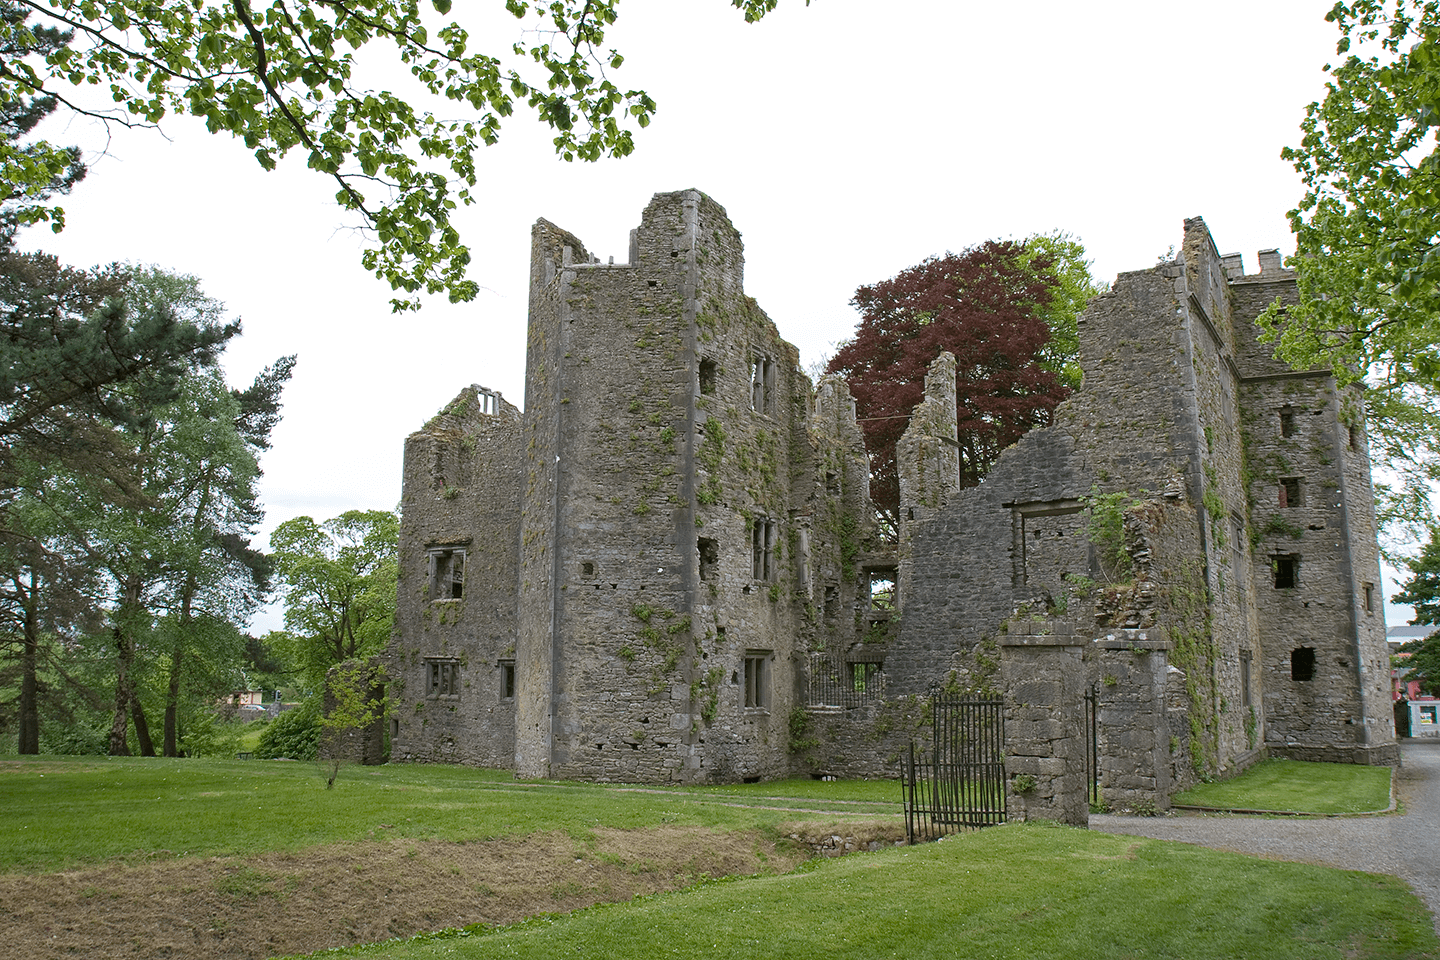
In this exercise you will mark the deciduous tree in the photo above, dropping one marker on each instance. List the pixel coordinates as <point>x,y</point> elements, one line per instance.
<point>1005,309</point>
<point>285,76</point>
<point>1366,230</point>
<point>339,582</point>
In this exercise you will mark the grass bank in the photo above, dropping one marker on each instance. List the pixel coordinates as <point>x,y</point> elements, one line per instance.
<point>1007,892</point>
<point>1291,786</point>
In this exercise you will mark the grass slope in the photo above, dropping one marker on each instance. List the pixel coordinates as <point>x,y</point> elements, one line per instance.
<point>1008,892</point>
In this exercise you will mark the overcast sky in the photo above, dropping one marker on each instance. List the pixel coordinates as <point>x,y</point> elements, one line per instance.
<point>846,144</point>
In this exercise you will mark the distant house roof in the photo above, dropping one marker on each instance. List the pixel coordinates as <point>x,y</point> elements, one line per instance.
<point>1398,635</point>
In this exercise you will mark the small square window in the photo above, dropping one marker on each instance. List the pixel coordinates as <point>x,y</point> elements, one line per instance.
<point>1302,663</point>
<point>1286,567</point>
<point>442,678</point>
<point>709,552</point>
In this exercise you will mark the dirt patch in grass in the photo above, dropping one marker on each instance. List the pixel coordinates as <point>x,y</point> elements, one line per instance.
<point>285,903</point>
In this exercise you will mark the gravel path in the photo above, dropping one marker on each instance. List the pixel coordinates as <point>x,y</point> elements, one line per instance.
<point>1407,846</point>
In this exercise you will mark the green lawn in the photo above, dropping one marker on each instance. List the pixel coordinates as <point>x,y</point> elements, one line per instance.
<point>60,811</point>
<point>1294,787</point>
<point>1012,891</point>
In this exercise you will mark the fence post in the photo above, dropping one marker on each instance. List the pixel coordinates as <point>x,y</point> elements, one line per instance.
<point>1044,678</point>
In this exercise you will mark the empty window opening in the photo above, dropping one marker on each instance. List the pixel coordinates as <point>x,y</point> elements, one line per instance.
<point>832,602</point>
<point>863,676</point>
<point>709,551</point>
<point>708,375</point>
<point>1354,438</point>
<point>1290,492</point>
<point>882,591</point>
<point>762,383</point>
<point>762,549</point>
<point>1244,678</point>
<point>1287,421</point>
<point>1368,589</point>
<point>757,680</point>
<point>447,573</point>
<point>1302,663</point>
<point>489,401</point>
<point>587,568</point>
<point>1287,570</point>
<point>442,678</point>
<point>507,679</point>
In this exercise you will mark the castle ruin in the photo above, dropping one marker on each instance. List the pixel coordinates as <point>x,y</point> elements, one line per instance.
<point>665,568</point>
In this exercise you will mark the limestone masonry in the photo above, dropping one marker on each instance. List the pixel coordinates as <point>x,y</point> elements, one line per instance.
<point>666,568</point>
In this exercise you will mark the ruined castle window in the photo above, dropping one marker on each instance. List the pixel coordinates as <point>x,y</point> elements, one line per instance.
<point>1302,663</point>
<point>864,676</point>
<point>757,679</point>
<point>762,383</point>
<point>489,402</point>
<point>1354,438</point>
<point>762,549</point>
<point>587,568</point>
<point>507,679</point>
<point>882,591</point>
<point>832,602</point>
<point>447,573</point>
<point>709,551</point>
<point>1287,421</point>
<point>1289,492</point>
<point>1286,567</point>
<point>1369,594</point>
<point>708,375</point>
<point>442,678</point>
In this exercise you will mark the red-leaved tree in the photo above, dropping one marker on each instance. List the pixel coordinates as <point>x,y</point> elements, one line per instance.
<point>1005,309</point>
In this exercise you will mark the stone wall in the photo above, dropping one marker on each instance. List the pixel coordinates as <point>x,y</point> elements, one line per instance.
<point>453,658</point>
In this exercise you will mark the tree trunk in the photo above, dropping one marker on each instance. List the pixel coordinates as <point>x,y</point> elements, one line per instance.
<point>29,685</point>
<point>172,703</point>
<point>119,724</point>
<point>142,728</point>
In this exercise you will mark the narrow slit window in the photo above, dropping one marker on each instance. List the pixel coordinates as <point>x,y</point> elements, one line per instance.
<point>507,679</point>
<point>757,680</point>
<point>1287,421</point>
<point>762,383</point>
<point>882,591</point>
<point>762,549</point>
<point>709,373</point>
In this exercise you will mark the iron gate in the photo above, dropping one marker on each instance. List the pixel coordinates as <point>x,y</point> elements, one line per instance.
<point>959,783</point>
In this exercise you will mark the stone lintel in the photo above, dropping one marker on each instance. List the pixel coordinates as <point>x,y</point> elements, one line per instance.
<point>1048,640</point>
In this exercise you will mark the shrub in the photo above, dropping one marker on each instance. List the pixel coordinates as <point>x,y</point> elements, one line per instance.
<point>294,734</point>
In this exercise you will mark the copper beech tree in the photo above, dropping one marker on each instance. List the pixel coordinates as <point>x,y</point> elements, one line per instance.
<point>1005,309</point>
